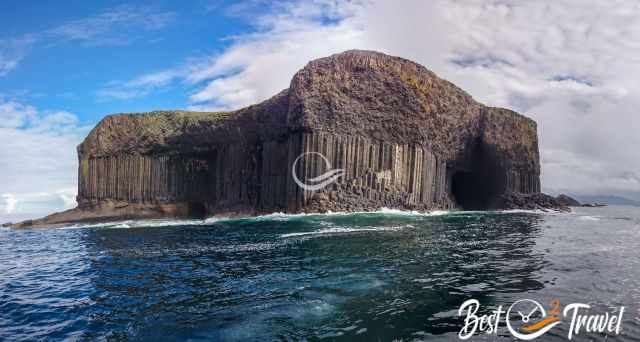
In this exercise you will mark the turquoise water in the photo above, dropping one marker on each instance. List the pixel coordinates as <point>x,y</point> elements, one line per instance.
<point>370,277</point>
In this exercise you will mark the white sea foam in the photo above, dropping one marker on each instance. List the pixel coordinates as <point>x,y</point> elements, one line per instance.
<point>280,216</point>
<point>529,211</point>
<point>413,212</point>
<point>589,218</point>
<point>138,223</point>
<point>381,211</point>
<point>345,230</point>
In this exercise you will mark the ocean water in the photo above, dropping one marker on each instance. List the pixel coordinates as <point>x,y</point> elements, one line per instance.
<point>359,277</point>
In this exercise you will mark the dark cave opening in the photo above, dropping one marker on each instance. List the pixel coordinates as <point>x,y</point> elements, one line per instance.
<point>476,186</point>
<point>197,210</point>
<point>468,191</point>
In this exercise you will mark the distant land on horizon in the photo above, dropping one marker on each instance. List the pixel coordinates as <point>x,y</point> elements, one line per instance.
<point>607,199</point>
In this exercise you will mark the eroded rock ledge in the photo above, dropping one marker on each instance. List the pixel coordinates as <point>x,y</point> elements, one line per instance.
<point>405,138</point>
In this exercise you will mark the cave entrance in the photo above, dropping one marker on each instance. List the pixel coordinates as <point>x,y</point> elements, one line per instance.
<point>476,185</point>
<point>468,190</point>
<point>197,210</point>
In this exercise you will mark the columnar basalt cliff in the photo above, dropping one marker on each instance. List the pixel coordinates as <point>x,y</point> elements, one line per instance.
<point>405,138</point>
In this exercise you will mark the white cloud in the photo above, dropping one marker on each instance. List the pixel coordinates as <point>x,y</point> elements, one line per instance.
<point>115,26</point>
<point>119,25</point>
<point>38,158</point>
<point>140,86</point>
<point>12,51</point>
<point>262,63</point>
<point>9,204</point>
<point>8,63</point>
<point>15,114</point>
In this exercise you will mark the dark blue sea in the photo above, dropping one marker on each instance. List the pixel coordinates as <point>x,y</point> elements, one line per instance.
<point>355,277</point>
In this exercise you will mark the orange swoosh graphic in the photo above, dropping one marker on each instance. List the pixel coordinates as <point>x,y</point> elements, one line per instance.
<point>539,325</point>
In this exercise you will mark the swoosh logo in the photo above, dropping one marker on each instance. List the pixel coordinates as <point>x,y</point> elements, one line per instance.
<point>318,182</point>
<point>538,329</point>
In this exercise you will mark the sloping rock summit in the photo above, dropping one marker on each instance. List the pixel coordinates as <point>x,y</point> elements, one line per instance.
<point>403,137</point>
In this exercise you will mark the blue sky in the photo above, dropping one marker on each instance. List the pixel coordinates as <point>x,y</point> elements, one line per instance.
<point>64,67</point>
<point>571,65</point>
<point>107,42</point>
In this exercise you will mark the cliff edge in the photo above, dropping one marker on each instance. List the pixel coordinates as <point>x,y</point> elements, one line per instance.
<point>402,137</point>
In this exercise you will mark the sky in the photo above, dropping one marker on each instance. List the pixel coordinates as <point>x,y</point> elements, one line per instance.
<point>572,65</point>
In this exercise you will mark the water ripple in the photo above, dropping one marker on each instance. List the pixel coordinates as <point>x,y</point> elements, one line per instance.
<point>366,276</point>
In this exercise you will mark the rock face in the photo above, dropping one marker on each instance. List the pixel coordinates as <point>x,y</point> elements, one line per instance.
<point>404,137</point>
<point>568,201</point>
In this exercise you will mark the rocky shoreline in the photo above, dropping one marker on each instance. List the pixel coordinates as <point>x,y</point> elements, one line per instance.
<point>569,201</point>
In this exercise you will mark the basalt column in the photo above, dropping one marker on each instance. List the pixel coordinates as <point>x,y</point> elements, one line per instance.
<point>376,174</point>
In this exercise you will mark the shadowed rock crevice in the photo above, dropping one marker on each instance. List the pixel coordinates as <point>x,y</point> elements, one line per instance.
<point>405,138</point>
<point>197,210</point>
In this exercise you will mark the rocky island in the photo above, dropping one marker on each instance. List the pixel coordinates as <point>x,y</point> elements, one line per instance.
<point>403,137</point>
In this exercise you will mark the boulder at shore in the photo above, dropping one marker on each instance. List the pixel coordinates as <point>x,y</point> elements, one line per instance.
<point>403,137</point>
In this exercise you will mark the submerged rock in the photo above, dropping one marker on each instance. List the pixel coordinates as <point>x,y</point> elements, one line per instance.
<point>400,136</point>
